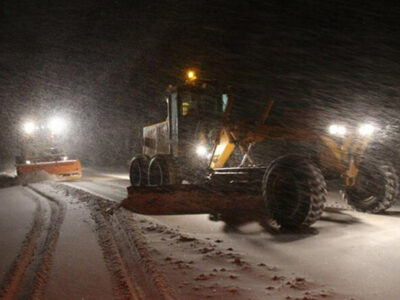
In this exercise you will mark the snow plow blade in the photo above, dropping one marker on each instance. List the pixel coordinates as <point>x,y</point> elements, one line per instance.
<point>65,170</point>
<point>192,199</point>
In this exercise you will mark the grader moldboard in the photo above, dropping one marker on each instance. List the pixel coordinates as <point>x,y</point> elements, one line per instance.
<point>182,168</point>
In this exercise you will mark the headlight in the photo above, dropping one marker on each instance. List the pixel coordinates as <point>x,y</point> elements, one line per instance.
<point>56,125</point>
<point>29,127</point>
<point>339,130</point>
<point>201,151</point>
<point>366,129</point>
<point>28,162</point>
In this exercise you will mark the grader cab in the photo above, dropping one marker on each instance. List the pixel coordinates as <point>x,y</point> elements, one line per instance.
<point>183,166</point>
<point>185,136</point>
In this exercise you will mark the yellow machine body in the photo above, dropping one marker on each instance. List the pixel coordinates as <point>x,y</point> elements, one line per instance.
<point>339,154</point>
<point>342,155</point>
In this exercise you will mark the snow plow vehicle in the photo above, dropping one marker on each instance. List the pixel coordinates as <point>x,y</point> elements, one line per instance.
<point>40,153</point>
<point>52,161</point>
<point>183,167</point>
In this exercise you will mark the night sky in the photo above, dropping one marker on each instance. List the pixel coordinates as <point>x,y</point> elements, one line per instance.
<point>105,65</point>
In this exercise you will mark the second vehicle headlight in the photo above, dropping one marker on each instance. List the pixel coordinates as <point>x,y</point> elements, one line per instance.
<point>29,127</point>
<point>336,129</point>
<point>366,129</point>
<point>57,125</point>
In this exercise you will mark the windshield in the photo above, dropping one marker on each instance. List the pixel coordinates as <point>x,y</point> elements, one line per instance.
<point>203,104</point>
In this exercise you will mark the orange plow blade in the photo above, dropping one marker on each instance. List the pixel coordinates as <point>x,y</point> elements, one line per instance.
<point>69,169</point>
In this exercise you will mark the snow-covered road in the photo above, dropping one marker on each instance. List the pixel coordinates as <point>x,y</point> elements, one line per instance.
<point>353,252</point>
<point>57,241</point>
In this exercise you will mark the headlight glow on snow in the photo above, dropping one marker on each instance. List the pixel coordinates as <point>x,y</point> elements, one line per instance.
<point>29,127</point>
<point>201,151</point>
<point>339,130</point>
<point>366,129</point>
<point>56,125</point>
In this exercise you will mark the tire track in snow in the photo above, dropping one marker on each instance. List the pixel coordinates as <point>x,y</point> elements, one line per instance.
<point>124,287</point>
<point>29,272</point>
<point>49,246</point>
<point>122,252</point>
<point>15,275</point>
<point>93,189</point>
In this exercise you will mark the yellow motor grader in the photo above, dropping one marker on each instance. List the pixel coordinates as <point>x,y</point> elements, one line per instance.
<point>183,167</point>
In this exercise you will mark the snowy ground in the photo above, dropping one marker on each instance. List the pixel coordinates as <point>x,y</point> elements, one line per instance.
<point>59,241</point>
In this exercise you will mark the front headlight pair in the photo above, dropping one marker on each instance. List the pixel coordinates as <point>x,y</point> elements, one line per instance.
<point>364,130</point>
<point>338,130</point>
<point>55,125</point>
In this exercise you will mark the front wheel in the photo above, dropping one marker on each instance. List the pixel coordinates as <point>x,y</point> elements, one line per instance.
<point>376,188</point>
<point>294,192</point>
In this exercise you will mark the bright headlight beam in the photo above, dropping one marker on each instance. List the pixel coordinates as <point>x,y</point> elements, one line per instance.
<point>201,151</point>
<point>342,130</point>
<point>366,129</point>
<point>56,125</point>
<point>335,129</point>
<point>29,127</point>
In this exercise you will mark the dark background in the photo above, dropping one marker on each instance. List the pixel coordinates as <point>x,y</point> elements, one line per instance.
<point>105,65</point>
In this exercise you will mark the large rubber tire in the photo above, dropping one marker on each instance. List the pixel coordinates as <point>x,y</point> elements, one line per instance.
<point>376,188</point>
<point>138,170</point>
<point>294,192</point>
<point>162,171</point>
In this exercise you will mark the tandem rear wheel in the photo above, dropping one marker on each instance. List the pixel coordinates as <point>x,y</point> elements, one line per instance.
<point>138,170</point>
<point>161,171</point>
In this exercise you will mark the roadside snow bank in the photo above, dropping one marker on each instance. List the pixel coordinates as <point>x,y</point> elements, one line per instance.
<point>7,180</point>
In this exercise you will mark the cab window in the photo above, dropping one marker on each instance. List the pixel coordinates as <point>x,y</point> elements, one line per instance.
<point>224,100</point>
